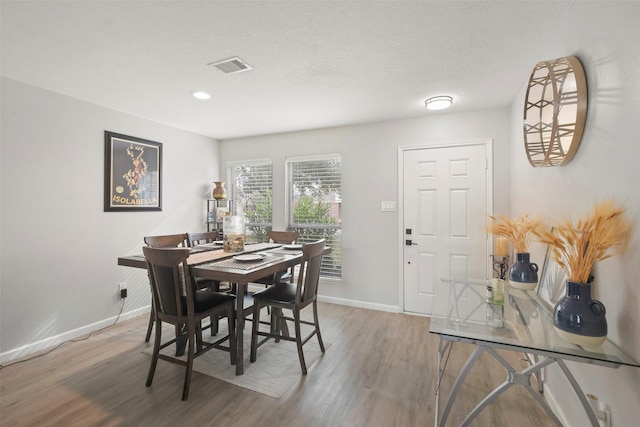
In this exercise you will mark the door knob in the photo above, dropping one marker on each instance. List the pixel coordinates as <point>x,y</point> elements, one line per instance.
<point>409,243</point>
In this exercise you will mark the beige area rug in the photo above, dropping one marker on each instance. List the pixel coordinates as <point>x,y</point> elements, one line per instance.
<point>275,370</point>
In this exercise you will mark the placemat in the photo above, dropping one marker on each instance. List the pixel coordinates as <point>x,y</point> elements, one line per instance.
<point>245,265</point>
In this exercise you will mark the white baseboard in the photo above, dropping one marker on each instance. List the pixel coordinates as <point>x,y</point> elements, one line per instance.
<point>359,304</point>
<point>49,342</point>
<point>553,404</point>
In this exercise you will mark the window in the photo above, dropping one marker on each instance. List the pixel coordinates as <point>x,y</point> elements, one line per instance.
<point>250,184</point>
<point>314,202</point>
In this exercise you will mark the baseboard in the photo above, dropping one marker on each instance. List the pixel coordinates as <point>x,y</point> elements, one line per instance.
<point>359,304</point>
<point>553,404</point>
<point>49,342</point>
<point>32,348</point>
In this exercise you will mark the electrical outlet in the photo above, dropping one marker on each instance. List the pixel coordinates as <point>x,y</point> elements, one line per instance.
<point>122,288</point>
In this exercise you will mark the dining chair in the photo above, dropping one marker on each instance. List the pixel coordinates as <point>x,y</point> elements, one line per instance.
<point>195,239</point>
<point>178,302</point>
<point>294,297</point>
<point>162,241</point>
<point>285,238</point>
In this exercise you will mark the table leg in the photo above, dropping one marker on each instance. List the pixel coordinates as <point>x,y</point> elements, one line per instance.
<point>443,347</point>
<point>461,377</point>
<point>240,327</point>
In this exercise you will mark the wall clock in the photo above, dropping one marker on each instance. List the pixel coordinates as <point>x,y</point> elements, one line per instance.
<point>555,111</point>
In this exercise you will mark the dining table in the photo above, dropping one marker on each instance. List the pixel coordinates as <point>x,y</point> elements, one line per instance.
<point>255,261</point>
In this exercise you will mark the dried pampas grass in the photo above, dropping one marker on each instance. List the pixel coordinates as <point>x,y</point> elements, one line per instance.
<point>518,231</point>
<point>577,247</point>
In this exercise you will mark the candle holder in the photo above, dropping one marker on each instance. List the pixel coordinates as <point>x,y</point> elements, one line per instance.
<point>500,265</point>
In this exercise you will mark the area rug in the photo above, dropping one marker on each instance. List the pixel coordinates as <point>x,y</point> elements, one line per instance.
<point>275,370</point>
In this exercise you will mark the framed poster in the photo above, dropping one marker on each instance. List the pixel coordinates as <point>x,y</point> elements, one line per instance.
<point>132,173</point>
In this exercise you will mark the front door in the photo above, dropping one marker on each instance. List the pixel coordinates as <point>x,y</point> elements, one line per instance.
<point>446,196</point>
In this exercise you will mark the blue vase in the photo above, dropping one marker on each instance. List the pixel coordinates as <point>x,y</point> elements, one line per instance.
<point>578,318</point>
<point>523,274</point>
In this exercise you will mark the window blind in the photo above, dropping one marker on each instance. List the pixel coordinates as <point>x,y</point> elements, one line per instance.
<point>314,205</point>
<point>250,186</point>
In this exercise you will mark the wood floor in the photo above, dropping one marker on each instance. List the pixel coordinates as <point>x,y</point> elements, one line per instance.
<point>378,371</point>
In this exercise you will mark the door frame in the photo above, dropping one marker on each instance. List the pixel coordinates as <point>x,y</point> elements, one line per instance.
<point>488,146</point>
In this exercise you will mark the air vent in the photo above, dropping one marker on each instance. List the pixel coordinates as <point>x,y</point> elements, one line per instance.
<point>231,65</point>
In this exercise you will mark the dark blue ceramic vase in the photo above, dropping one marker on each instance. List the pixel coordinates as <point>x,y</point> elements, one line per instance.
<point>578,318</point>
<point>523,274</point>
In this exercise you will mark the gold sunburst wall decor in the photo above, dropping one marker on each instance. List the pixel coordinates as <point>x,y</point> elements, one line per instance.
<point>555,111</point>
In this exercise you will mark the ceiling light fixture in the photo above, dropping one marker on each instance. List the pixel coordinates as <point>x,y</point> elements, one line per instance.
<point>438,102</point>
<point>201,95</point>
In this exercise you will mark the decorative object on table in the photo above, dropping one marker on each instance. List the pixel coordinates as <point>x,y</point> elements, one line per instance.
<point>523,274</point>
<point>233,228</point>
<point>495,315</point>
<point>132,174</point>
<point>219,191</point>
<point>577,317</point>
<point>500,257</point>
<point>555,111</point>
<point>497,286</point>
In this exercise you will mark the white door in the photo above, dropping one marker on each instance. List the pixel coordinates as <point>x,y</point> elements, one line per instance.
<point>445,214</point>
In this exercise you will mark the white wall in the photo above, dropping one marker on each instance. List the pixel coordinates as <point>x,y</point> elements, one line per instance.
<point>606,40</point>
<point>59,249</point>
<point>369,176</point>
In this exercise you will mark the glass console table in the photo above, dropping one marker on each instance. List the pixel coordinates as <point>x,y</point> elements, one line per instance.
<point>460,314</point>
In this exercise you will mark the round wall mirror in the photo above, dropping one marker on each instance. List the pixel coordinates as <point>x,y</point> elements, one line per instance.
<point>555,111</point>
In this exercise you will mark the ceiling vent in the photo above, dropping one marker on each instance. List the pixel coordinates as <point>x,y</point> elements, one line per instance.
<point>231,65</point>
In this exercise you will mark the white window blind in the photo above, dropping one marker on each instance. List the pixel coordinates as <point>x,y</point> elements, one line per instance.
<point>314,205</point>
<point>250,187</point>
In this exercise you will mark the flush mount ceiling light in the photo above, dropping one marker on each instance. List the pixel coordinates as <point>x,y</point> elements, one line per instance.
<point>438,102</point>
<point>201,95</point>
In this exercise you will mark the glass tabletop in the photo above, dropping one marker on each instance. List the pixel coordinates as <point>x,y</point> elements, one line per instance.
<point>522,323</point>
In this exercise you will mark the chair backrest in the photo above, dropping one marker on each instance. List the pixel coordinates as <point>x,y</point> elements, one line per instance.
<point>167,241</point>
<point>284,237</point>
<point>167,272</point>
<point>194,239</point>
<point>309,277</point>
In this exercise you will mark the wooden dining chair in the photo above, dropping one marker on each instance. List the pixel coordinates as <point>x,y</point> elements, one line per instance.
<point>162,241</point>
<point>294,297</point>
<point>195,239</point>
<point>178,302</point>
<point>285,238</point>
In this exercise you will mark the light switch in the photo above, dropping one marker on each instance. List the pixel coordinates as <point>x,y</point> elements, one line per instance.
<point>388,206</point>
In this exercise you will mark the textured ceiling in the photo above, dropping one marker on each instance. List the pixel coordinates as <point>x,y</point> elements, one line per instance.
<point>316,63</point>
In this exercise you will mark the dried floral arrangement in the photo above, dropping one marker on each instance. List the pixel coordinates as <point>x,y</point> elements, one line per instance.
<point>519,231</point>
<point>577,247</point>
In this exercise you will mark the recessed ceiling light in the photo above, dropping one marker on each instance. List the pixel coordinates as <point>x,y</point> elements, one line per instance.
<point>201,95</point>
<point>438,102</point>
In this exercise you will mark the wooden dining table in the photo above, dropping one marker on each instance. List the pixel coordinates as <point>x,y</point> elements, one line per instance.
<point>211,262</point>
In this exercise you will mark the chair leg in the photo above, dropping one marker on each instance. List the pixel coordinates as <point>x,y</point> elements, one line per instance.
<point>150,327</point>
<point>296,316</point>
<point>213,320</point>
<point>156,351</point>
<point>317,326</point>
<point>187,376</point>
<point>198,334</point>
<point>254,330</point>
<point>231,322</point>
